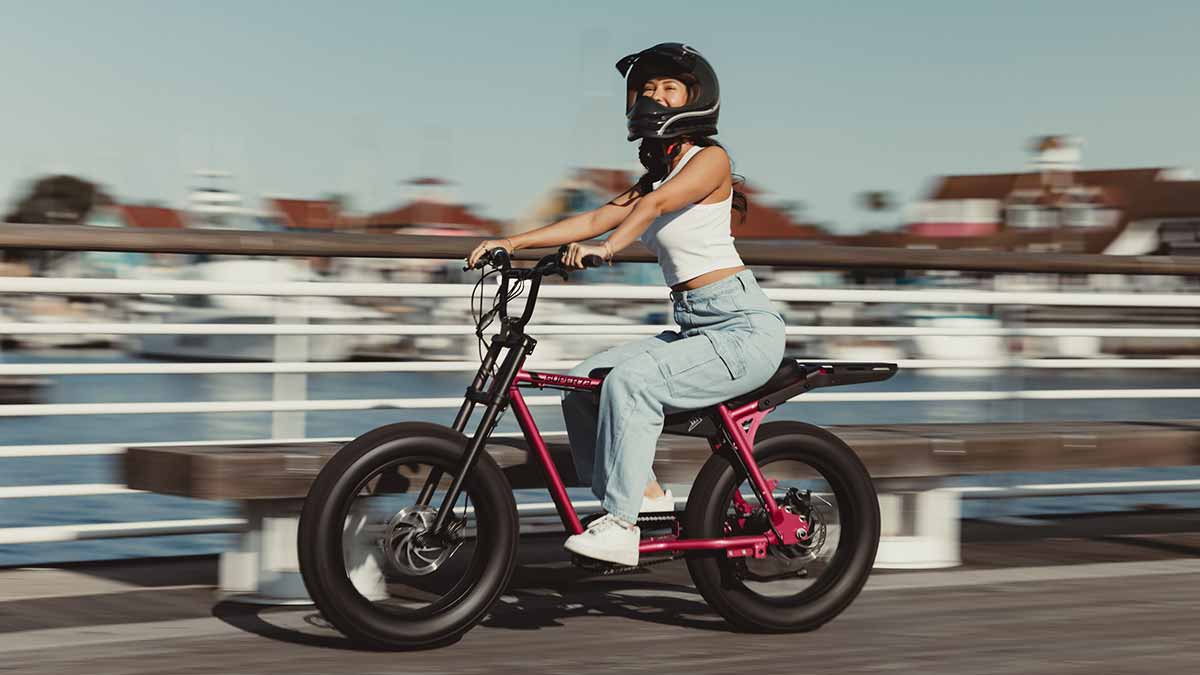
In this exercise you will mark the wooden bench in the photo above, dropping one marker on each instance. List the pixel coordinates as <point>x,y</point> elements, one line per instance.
<point>907,461</point>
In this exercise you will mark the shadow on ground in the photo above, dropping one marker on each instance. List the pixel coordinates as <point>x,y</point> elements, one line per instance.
<point>538,598</point>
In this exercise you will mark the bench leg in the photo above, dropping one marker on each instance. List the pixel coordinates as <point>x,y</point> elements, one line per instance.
<point>920,524</point>
<point>264,569</point>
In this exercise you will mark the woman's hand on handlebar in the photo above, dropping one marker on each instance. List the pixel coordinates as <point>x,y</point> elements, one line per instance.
<point>573,257</point>
<point>487,245</point>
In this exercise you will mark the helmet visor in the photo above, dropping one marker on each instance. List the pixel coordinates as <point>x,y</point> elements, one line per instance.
<point>652,67</point>
<point>632,96</point>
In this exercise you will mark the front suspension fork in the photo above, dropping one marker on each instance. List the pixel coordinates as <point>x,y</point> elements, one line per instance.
<point>495,400</point>
<point>464,413</point>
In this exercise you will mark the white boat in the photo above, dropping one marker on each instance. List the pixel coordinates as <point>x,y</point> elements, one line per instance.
<point>980,348</point>
<point>854,348</point>
<point>249,309</point>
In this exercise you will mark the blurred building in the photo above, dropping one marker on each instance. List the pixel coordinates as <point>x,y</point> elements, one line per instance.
<point>1055,206</point>
<point>430,208</point>
<point>214,203</point>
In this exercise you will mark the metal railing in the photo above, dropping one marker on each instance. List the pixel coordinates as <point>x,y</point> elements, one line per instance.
<point>425,247</point>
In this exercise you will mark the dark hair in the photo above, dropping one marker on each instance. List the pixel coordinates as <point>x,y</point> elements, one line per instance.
<point>656,156</point>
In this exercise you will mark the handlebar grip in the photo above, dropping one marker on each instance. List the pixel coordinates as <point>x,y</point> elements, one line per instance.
<point>592,260</point>
<point>497,256</point>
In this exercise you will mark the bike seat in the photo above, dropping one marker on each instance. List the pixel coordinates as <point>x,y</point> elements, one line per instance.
<point>790,371</point>
<point>794,377</point>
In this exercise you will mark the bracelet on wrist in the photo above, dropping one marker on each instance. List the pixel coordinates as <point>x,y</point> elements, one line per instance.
<point>608,252</point>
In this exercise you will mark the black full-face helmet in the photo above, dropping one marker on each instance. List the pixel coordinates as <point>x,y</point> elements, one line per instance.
<point>648,118</point>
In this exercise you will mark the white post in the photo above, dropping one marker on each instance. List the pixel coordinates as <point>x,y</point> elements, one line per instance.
<point>289,386</point>
<point>920,524</point>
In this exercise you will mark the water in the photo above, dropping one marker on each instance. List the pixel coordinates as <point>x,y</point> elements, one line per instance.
<point>230,426</point>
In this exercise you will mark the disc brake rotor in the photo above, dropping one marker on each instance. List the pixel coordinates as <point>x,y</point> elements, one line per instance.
<point>785,561</point>
<point>405,548</point>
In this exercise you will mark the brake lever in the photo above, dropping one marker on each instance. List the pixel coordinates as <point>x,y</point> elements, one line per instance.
<point>558,261</point>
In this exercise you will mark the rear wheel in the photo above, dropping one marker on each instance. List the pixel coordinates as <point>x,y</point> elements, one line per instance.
<point>797,587</point>
<point>368,558</point>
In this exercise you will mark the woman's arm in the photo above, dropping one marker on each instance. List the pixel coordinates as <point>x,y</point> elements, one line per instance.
<point>578,228</point>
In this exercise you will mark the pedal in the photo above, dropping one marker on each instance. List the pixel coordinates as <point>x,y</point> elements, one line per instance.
<point>657,521</point>
<point>646,521</point>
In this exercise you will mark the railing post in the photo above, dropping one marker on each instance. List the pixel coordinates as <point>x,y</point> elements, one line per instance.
<point>289,386</point>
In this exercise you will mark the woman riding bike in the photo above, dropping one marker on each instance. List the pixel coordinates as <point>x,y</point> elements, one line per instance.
<point>730,338</point>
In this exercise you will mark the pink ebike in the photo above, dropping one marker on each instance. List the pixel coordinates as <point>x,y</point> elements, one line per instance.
<point>409,533</point>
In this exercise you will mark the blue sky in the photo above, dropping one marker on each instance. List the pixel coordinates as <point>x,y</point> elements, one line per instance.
<point>820,100</point>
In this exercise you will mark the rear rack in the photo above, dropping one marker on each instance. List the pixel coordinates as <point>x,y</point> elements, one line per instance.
<point>818,374</point>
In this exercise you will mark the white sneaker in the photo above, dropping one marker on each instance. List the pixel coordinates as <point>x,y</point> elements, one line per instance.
<point>661,504</point>
<point>608,540</point>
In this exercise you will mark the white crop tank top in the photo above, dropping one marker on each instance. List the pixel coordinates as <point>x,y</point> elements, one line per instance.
<point>694,239</point>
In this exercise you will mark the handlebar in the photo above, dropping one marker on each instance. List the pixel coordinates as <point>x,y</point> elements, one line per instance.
<point>501,259</point>
<point>549,265</point>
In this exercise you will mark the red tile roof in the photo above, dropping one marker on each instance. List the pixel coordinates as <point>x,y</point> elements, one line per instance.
<point>425,213</point>
<point>152,216</point>
<point>308,214</point>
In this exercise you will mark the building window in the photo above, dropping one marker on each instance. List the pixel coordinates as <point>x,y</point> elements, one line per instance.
<point>1080,215</point>
<point>1031,216</point>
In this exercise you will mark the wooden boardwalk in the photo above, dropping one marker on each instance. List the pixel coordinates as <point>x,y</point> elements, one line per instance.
<point>1111,594</point>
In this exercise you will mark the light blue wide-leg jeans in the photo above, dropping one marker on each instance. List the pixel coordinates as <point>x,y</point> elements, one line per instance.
<point>730,342</point>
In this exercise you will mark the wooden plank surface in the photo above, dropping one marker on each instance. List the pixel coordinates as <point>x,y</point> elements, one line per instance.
<point>269,472</point>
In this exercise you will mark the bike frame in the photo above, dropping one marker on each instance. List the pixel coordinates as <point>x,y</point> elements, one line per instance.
<point>734,433</point>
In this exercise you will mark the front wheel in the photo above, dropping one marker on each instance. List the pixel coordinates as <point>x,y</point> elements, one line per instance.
<point>797,587</point>
<point>367,556</point>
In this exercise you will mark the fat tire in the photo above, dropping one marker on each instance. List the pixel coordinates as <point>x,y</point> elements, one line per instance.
<point>858,505</point>
<point>320,534</point>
